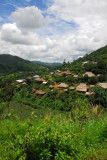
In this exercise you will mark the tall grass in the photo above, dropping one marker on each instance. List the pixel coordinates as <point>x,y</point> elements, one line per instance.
<point>53,138</point>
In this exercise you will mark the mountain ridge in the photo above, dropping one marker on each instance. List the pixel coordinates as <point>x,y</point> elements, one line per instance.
<point>47,64</point>
<point>11,59</point>
<point>10,64</point>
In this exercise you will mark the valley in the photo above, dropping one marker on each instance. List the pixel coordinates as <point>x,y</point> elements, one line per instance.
<point>56,112</point>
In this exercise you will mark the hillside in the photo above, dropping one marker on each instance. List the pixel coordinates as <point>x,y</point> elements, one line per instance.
<point>52,115</point>
<point>9,59</point>
<point>10,64</point>
<point>95,62</point>
<point>98,55</point>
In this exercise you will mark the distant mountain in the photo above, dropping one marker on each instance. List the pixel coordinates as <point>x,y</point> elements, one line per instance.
<point>46,64</point>
<point>10,64</point>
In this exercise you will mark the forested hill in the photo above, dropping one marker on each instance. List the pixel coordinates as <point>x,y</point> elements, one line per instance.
<point>10,64</point>
<point>96,56</point>
<point>9,59</point>
<point>95,62</point>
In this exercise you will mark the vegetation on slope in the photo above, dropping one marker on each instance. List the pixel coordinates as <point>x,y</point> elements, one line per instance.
<point>11,64</point>
<point>96,63</point>
<point>98,55</point>
<point>54,137</point>
<point>9,59</point>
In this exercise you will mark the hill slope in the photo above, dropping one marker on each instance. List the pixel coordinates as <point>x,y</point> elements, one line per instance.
<point>10,64</point>
<point>9,59</point>
<point>95,62</point>
<point>98,55</point>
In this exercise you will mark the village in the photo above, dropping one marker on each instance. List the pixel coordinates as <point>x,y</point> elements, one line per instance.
<point>62,86</point>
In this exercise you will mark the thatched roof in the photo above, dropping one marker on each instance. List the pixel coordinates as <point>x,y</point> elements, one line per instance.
<point>81,88</point>
<point>75,76</point>
<point>67,73</point>
<point>65,90</point>
<point>20,81</point>
<point>51,86</point>
<point>103,85</point>
<point>57,72</point>
<point>39,80</point>
<point>29,77</point>
<point>62,85</point>
<point>89,93</point>
<point>90,74</point>
<point>36,76</point>
<point>40,92</point>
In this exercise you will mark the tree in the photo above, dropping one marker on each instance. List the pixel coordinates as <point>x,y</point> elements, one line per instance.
<point>64,63</point>
<point>92,80</point>
<point>85,77</point>
<point>99,96</point>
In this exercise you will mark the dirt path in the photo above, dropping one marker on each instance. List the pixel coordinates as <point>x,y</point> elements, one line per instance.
<point>55,85</point>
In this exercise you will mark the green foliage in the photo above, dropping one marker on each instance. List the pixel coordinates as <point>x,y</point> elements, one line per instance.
<point>58,78</point>
<point>85,78</point>
<point>63,125</point>
<point>92,80</point>
<point>53,138</point>
<point>102,78</point>
<point>100,67</point>
<point>99,96</point>
<point>11,64</point>
<point>77,68</point>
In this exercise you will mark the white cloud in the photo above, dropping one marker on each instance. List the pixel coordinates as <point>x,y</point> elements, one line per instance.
<point>29,18</point>
<point>76,28</point>
<point>11,33</point>
<point>90,17</point>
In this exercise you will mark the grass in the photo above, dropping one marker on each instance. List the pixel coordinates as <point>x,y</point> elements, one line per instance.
<point>53,137</point>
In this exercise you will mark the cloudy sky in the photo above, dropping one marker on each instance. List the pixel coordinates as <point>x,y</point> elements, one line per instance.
<point>52,30</point>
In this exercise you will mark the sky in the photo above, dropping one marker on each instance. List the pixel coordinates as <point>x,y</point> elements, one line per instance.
<point>52,30</point>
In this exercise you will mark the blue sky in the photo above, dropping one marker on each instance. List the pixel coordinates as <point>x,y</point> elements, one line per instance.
<point>52,30</point>
<point>8,6</point>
